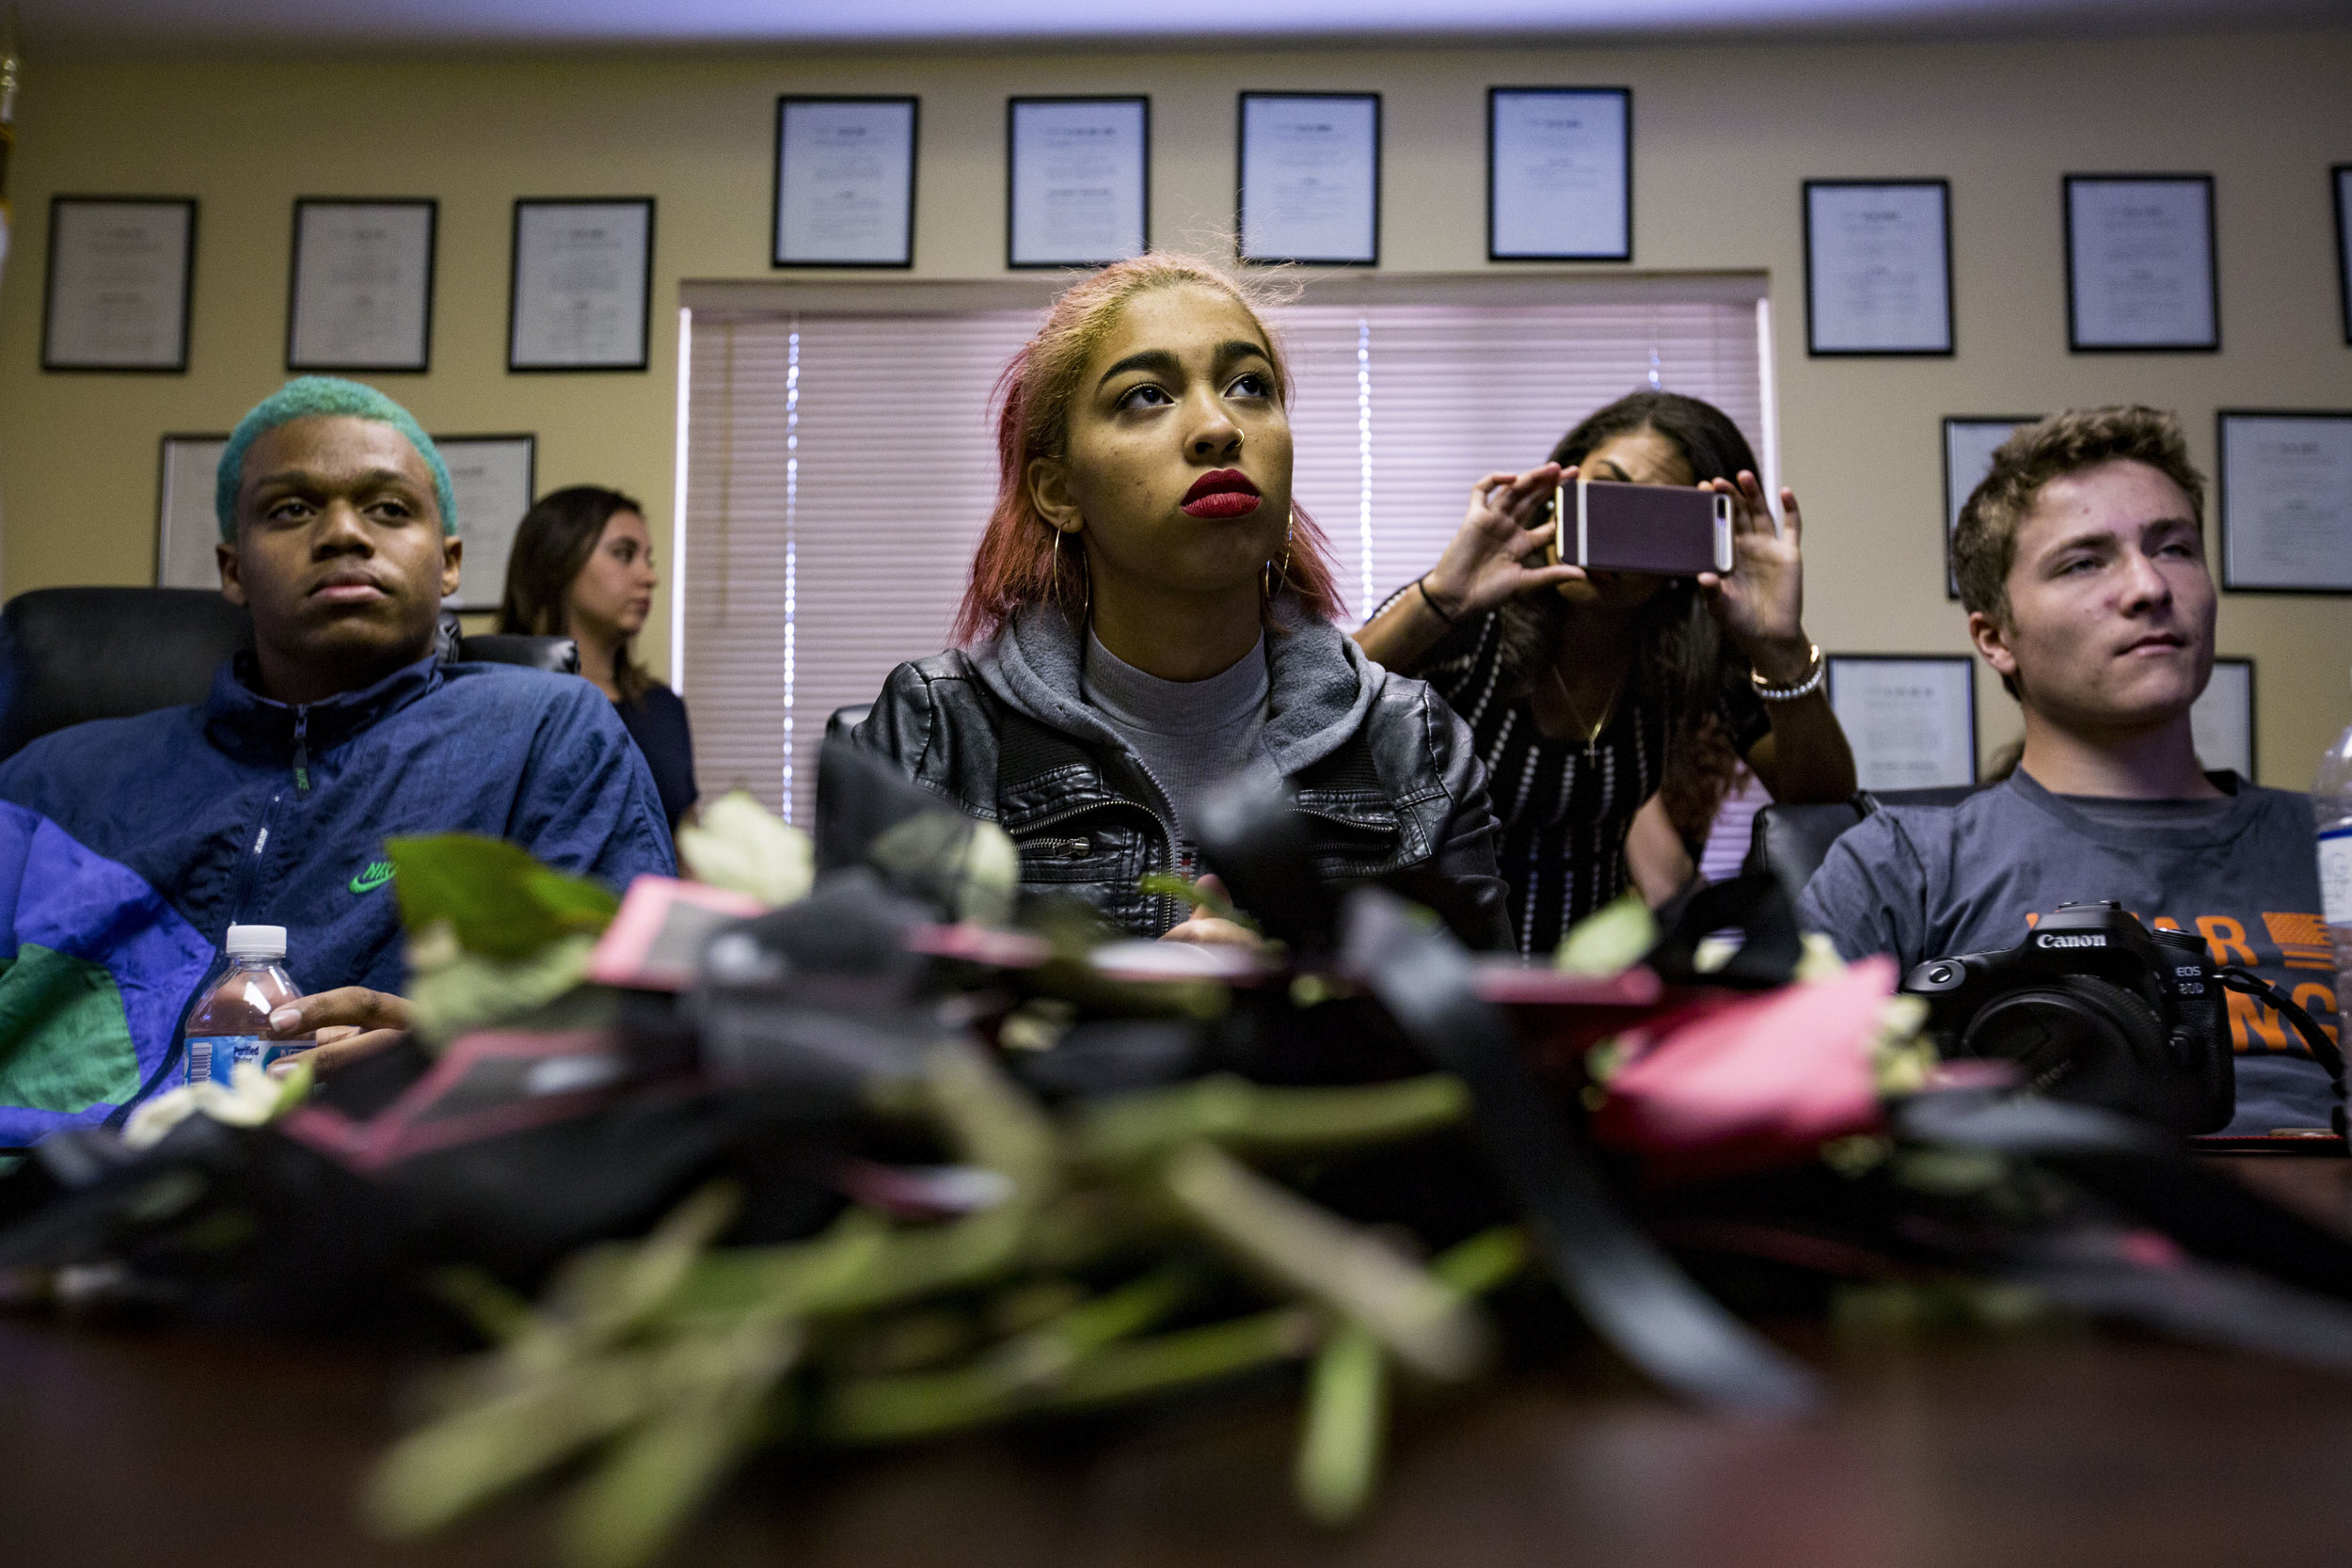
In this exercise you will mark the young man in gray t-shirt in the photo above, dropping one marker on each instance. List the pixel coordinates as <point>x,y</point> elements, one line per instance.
<point>2081,561</point>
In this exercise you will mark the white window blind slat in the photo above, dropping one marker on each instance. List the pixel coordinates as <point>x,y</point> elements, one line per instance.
<point>841,466</point>
<point>841,470</point>
<point>1460,390</point>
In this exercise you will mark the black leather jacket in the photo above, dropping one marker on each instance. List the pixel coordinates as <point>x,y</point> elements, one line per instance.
<point>1380,766</point>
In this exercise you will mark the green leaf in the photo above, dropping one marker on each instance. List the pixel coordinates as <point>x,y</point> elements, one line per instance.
<point>471,991</point>
<point>443,1471</point>
<point>1612,937</point>
<point>1348,1269</point>
<point>577,904</point>
<point>1226,1109</point>
<point>972,867</point>
<point>494,895</point>
<point>737,842</point>
<point>1347,1419</point>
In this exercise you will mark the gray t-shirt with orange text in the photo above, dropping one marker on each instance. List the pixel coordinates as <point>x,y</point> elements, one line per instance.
<point>1929,881</point>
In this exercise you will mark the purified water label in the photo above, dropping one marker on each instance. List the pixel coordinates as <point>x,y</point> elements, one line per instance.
<point>2335,876</point>
<point>214,1058</point>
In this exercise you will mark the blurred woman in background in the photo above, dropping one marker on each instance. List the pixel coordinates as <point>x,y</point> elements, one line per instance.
<point>1614,710</point>
<point>582,568</point>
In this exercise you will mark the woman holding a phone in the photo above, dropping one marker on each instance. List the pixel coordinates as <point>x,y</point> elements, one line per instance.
<point>1149,619</point>
<point>1612,709</point>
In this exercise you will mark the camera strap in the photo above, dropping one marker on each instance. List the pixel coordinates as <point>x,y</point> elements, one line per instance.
<point>2247,983</point>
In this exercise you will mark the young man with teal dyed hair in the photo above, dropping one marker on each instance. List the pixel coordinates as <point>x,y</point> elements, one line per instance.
<point>129,846</point>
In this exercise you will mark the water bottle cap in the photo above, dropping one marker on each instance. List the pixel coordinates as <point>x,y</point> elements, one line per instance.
<point>255,941</point>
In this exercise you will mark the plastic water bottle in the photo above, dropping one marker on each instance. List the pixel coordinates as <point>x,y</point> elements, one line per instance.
<point>2332,806</point>
<point>230,1025</point>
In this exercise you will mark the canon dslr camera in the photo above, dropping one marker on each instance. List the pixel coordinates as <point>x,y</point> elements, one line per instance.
<point>2096,1009</point>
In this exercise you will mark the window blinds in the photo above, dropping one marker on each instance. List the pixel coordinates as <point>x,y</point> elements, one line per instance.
<point>839,472</point>
<point>839,467</point>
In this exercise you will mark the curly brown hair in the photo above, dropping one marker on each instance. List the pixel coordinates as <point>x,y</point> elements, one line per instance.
<point>1985,542</point>
<point>1680,657</point>
<point>1984,545</point>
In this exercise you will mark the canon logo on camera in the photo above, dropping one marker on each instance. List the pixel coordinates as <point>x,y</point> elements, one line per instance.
<point>2051,939</point>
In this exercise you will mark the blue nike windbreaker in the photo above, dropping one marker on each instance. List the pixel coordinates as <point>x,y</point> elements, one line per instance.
<point>128,847</point>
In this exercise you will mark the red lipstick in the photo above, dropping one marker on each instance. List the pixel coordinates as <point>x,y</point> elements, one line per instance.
<point>1224,493</point>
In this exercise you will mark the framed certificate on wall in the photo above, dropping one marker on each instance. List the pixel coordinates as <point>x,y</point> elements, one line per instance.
<point>1559,174</point>
<point>491,477</point>
<point>2139,264</point>
<point>187,525</point>
<point>2341,179</point>
<point>845,182</point>
<point>1911,718</point>
<point>1969,442</point>
<point>1078,191</point>
<point>2285,486</point>
<point>2222,719</point>
<point>581,294</point>
<point>1878,268</point>
<point>1311,178</point>
<point>121,269</point>
<point>362,292</point>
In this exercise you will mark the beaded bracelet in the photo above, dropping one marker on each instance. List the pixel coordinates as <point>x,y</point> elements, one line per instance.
<point>1815,675</point>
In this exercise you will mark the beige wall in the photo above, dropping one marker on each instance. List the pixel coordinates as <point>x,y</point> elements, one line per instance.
<point>1723,135</point>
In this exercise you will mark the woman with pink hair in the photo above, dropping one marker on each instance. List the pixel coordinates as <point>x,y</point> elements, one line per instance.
<point>1149,619</point>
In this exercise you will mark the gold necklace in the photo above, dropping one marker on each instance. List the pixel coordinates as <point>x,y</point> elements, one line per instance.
<point>1608,710</point>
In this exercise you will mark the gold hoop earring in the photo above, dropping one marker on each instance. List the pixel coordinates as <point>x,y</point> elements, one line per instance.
<point>1276,576</point>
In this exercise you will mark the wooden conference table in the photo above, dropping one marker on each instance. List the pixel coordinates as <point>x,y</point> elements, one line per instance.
<point>2078,1448</point>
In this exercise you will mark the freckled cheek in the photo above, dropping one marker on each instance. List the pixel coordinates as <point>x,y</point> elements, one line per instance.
<point>1112,477</point>
<point>1117,504</point>
<point>1135,498</point>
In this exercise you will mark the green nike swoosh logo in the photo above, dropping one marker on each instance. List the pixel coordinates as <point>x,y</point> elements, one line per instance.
<point>373,877</point>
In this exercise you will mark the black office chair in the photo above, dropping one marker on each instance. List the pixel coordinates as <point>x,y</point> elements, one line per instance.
<point>844,720</point>
<point>557,655</point>
<point>68,655</point>
<point>1792,841</point>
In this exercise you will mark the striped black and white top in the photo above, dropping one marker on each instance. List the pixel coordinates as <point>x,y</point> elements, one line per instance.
<point>1566,807</point>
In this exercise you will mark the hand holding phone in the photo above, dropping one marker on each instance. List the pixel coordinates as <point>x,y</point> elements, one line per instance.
<point>1499,552</point>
